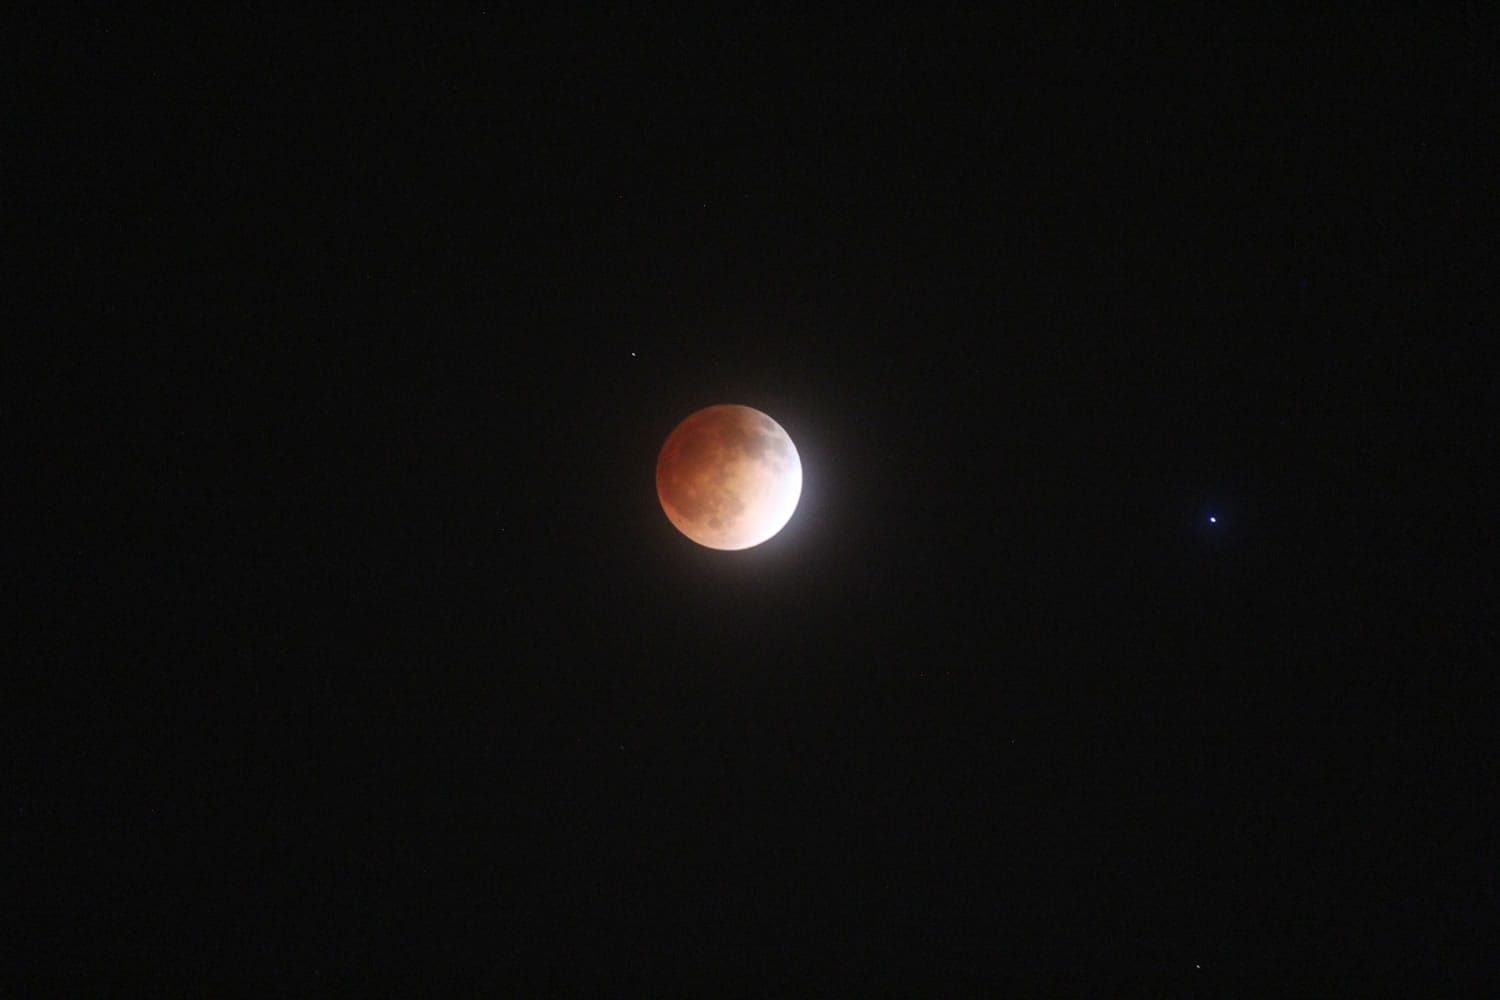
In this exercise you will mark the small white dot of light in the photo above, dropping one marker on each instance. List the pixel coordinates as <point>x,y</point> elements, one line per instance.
<point>1213,520</point>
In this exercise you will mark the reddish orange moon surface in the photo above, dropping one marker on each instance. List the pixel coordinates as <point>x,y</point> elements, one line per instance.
<point>729,477</point>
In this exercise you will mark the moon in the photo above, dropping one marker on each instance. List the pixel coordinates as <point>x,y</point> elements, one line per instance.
<point>728,477</point>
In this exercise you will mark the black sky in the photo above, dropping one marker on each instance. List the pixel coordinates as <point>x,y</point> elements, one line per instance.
<point>357,655</point>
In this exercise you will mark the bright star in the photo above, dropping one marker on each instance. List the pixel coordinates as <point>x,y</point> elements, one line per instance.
<point>1212,519</point>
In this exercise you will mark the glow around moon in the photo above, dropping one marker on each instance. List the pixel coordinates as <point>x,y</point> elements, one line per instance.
<point>729,477</point>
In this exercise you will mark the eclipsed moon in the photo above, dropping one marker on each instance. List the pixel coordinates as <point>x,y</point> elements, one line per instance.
<point>729,477</point>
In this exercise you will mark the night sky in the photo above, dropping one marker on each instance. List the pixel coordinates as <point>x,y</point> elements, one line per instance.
<point>1134,632</point>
